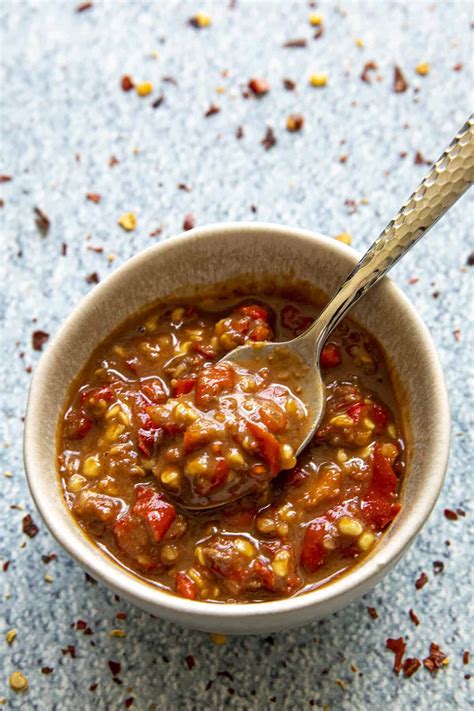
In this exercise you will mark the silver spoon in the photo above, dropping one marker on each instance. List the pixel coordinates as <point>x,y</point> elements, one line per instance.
<point>447,180</point>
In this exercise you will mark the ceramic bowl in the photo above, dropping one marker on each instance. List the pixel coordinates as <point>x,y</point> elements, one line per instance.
<point>201,258</point>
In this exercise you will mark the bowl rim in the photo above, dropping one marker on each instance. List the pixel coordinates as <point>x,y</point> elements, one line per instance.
<point>113,575</point>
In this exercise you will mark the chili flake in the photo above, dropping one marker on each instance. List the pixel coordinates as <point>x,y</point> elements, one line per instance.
<point>259,86</point>
<point>18,682</point>
<point>344,237</point>
<point>158,101</point>
<point>29,526</point>
<point>189,222</point>
<point>370,66</point>
<point>289,84</point>
<point>156,232</point>
<point>419,160</point>
<point>129,702</point>
<point>450,515</point>
<point>465,657</point>
<point>421,581</point>
<point>457,334</point>
<point>128,221</point>
<point>400,84</point>
<point>213,109</point>
<point>84,6</point>
<point>436,658</point>
<point>295,43</point>
<point>42,221</point>
<point>294,123</point>
<point>422,69</point>
<point>144,88</point>
<point>5,178</point>
<point>438,566</point>
<point>126,83</point>
<point>373,614</point>
<point>414,618</point>
<point>94,197</point>
<point>113,160</point>
<point>318,80</point>
<point>38,339</point>
<point>47,670</point>
<point>115,667</point>
<point>92,278</point>
<point>269,139</point>
<point>411,666</point>
<point>190,661</point>
<point>200,20</point>
<point>239,132</point>
<point>397,646</point>
<point>10,636</point>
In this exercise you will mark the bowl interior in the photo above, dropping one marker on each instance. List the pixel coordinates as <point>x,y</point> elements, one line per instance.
<point>196,261</point>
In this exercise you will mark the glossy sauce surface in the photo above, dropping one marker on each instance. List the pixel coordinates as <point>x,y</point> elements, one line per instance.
<point>154,418</point>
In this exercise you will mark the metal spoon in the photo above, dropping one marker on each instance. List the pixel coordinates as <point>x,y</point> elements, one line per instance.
<point>447,180</point>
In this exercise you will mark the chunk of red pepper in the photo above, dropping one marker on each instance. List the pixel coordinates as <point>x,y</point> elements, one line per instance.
<point>331,356</point>
<point>313,553</point>
<point>212,381</point>
<point>185,586</point>
<point>379,505</point>
<point>155,510</point>
<point>183,386</point>
<point>268,445</point>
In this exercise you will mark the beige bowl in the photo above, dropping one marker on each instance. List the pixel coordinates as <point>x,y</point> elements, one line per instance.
<point>203,257</point>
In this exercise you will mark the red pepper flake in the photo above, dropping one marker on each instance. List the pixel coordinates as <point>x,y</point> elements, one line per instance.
<point>93,686</point>
<point>213,109</point>
<point>189,222</point>
<point>368,67</point>
<point>42,221</point>
<point>97,250</point>
<point>239,132</point>
<point>2,203</point>
<point>94,197</point>
<point>400,84</point>
<point>289,84</point>
<point>63,249</point>
<point>465,657</point>
<point>421,582</point>
<point>460,512</point>
<point>458,67</point>
<point>156,232</point>
<point>169,80</point>
<point>126,83</point>
<point>457,334</point>
<point>71,650</point>
<point>450,515</point>
<point>436,658</point>
<point>156,103</point>
<point>84,6</point>
<point>113,161</point>
<point>403,154</point>
<point>47,670</point>
<point>294,123</point>
<point>259,86</point>
<point>121,615</point>
<point>438,566</point>
<point>397,646</point>
<point>419,160</point>
<point>319,32</point>
<point>92,278</point>
<point>343,158</point>
<point>269,139</point>
<point>5,178</point>
<point>413,280</point>
<point>296,43</point>
<point>29,526</point>
<point>115,667</point>
<point>5,566</point>
<point>411,666</point>
<point>373,614</point>
<point>129,702</point>
<point>38,339</point>
<point>414,618</point>
<point>190,661</point>
<point>48,558</point>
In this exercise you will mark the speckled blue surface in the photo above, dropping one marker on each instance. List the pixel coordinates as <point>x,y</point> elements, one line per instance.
<point>63,116</point>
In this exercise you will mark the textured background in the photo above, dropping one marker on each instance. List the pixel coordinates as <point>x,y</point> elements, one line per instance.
<point>63,117</point>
